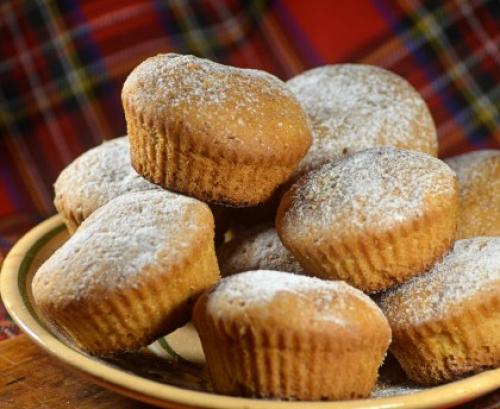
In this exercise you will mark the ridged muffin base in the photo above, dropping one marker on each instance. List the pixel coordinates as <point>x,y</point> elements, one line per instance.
<point>134,316</point>
<point>467,342</point>
<point>182,165</point>
<point>375,260</point>
<point>272,363</point>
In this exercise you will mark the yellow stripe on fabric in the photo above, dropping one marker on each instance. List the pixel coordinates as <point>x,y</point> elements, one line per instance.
<point>77,78</point>
<point>490,45</point>
<point>190,31</point>
<point>203,41</point>
<point>35,83</point>
<point>427,25</point>
<point>397,48</point>
<point>117,65</point>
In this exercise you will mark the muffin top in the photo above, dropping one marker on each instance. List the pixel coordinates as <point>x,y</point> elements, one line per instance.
<point>470,271</point>
<point>244,114</point>
<point>354,107</point>
<point>96,177</point>
<point>104,256</point>
<point>377,189</point>
<point>272,298</point>
<point>478,176</point>
<point>258,248</point>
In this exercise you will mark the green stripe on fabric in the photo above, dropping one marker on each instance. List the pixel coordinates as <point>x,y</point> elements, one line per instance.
<point>426,24</point>
<point>75,73</point>
<point>192,33</point>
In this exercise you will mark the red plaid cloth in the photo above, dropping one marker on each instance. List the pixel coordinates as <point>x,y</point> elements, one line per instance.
<point>63,64</point>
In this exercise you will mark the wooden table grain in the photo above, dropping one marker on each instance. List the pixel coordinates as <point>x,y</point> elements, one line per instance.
<point>31,379</point>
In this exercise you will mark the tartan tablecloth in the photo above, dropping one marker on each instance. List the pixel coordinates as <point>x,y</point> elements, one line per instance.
<point>62,66</point>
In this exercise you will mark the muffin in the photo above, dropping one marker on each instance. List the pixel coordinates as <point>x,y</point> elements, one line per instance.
<point>95,178</point>
<point>270,334</point>
<point>373,219</point>
<point>353,107</point>
<point>446,324</point>
<point>478,176</point>
<point>130,273</point>
<point>218,133</point>
<point>258,248</point>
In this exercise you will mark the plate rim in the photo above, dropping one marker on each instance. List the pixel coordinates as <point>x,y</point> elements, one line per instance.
<point>150,391</point>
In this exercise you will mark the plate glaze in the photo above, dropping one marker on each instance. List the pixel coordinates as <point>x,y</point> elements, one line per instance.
<point>171,372</point>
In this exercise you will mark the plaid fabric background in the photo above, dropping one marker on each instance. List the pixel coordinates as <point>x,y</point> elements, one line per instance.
<point>62,66</point>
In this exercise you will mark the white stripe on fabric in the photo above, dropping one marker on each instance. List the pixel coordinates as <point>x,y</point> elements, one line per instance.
<point>456,67</point>
<point>412,41</point>
<point>439,83</point>
<point>465,115</point>
<point>37,89</point>
<point>100,22</point>
<point>489,44</point>
<point>74,75</point>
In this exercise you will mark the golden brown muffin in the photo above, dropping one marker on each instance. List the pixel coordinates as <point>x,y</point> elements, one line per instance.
<point>353,107</point>
<point>93,179</point>
<point>258,248</point>
<point>446,323</point>
<point>222,134</point>
<point>373,219</point>
<point>270,334</point>
<point>130,273</point>
<point>478,176</point>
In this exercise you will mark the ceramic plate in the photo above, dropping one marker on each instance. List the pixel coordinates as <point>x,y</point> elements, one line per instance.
<point>171,372</point>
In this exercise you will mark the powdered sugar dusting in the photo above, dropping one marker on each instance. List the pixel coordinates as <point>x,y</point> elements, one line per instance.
<point>205,81</point>
<point>379,187</point>
<point>97,176</point>
<point>258,288</point>
<point>470,168</point>
<point>259,248</point>
<point>171,84</point>
<point>472,267</point>
<point>478,175</point>
<point>114,245</point>
<point>354,107</point>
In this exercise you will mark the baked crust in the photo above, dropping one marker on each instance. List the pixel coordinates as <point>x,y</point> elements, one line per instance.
<point>109,291</point>
<point>93,179</point>
<point>353,107</point>
<point>218,133</point>
<point>374,219</point>
<point>258,248</point>
<point>465,343</point>
<point>293,342</point>
<point>446,323</point>
<point>478,176</point>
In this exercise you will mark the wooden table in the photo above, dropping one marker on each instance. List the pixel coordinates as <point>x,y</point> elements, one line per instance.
<point>31,379</point>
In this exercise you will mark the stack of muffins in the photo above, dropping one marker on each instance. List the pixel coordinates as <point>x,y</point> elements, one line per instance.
<point>365,207</point>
